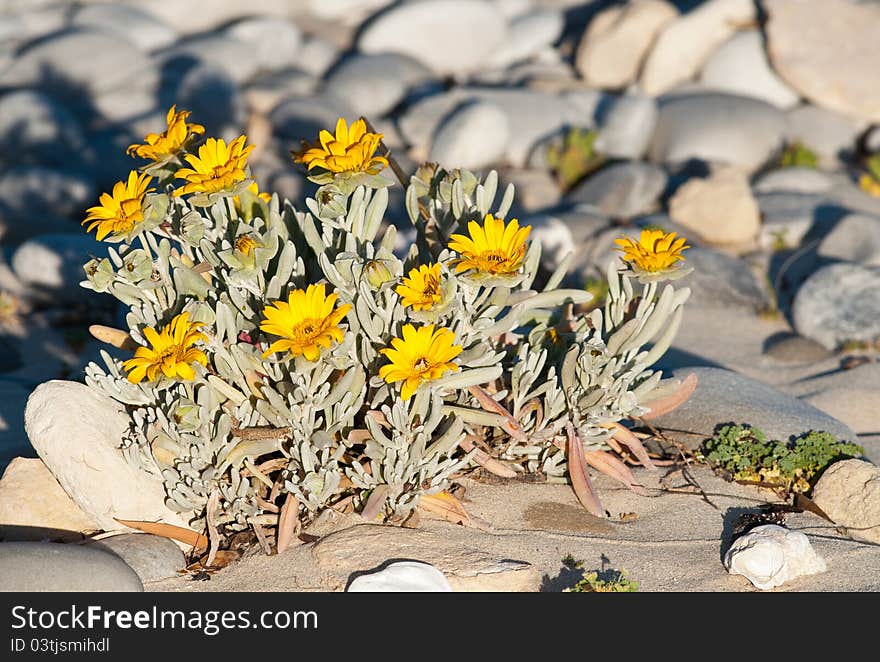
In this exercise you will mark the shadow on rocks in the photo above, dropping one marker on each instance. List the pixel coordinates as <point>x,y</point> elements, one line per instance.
<point>788,269</point>
<point>676,358</point>
<point>730,533</point>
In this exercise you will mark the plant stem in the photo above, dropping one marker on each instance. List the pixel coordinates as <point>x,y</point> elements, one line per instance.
<point>392,162</point>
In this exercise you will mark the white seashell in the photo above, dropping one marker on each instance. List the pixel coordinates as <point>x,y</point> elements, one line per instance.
<point>770,555</point>
<point>402,577</point>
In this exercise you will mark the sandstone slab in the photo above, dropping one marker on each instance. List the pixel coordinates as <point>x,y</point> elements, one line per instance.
<point>33,506</point>
<point>368,546</point>
<point>78,433</point>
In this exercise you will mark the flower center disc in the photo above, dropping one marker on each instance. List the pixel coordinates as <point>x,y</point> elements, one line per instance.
<point>306,330</point>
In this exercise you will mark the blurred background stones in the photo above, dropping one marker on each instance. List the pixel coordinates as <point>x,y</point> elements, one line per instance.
<point>746,125</point>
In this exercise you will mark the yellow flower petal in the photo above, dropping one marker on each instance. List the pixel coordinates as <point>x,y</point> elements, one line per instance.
<point>120,212</point>
<point>494,248</point>
<point>217,168</point>
<point>171,352</point>
<point>422,355</point>
<point>305,322</point>
<point>654,251</point>
<point>351,150</point>
<point>161,146</point>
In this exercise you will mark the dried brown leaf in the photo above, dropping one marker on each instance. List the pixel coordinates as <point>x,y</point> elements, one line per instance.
<point>511,426</point>
<point>488,463</point>
<point>577,472</point>
<point>446,506</point>
<point>116,337</point>
<point>634,444</point>
<point>222,559</point>
<point>211,511</point>
<point>375,503</point>
<point>664,405</point>
<point>613,467</point>
<point>186,536</point>
<point>289,524</point>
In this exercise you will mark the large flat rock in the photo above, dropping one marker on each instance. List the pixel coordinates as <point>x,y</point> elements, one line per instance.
<point>723,397</point>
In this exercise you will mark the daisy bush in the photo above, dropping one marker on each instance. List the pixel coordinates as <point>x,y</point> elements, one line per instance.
<point>281,360</point>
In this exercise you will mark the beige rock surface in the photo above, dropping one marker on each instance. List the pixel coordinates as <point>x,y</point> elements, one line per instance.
<point>470,568</point>
<point>720,209</point>
<point>618,39</point>
<point>849,493</point>
<point>77,432</point>
<point>827,50</point>
<point>686,43</point>
<point>33,506</point>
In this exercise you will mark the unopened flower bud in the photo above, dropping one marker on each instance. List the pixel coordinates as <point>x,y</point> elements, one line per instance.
<point>377,273</point>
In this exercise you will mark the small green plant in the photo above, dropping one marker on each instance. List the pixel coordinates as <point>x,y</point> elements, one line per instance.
<point>869,182</point>
<point>613,581</point>
<point>798,155</point>
<point>747,454</point>
<point>574,156</point>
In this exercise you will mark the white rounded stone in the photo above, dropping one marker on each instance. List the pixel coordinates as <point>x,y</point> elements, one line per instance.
<point>474,136</point>
<point>402,577</point>
<point>617,40</point>
<point>274,43</point>
<point>373,84</point>
<point>770,555</point>
<point>686,43</point>
<point>827,50</point>
<point>90,60</point>
<point>528,35</point>
<point>740,66</point>
<point>717,127</point>
<point>719,209</point>
<point>138,26</point>
<point>627,127</point>
<point>448,36</point>
<point>849,493</point>
<point>78,433</point>
<point>554,236</point>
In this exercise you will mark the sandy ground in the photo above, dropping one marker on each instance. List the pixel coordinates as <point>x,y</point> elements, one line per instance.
<point>675,543</point>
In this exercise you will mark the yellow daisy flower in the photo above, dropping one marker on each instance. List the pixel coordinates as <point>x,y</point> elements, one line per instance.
<point>163,146</point>
<point>422,355</point>
<point>172,353</point>
<point>121,210</point>
<point>217,168</point>
<point>351,150</point>
<point>655,252</point>
<point>494,248</point>
<point>869,184</point>
<point>421,289</point>
<point>306,322</point>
